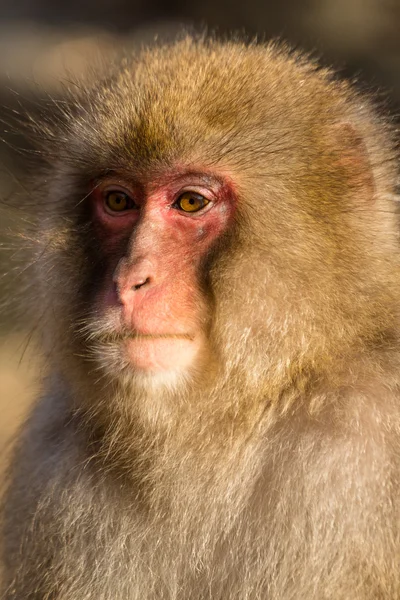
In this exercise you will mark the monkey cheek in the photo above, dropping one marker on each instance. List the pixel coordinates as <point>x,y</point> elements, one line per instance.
<point>162,354</point>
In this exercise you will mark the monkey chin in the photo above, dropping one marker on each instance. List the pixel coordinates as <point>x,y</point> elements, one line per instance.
<point>157,354</point>
<point>150,362</point>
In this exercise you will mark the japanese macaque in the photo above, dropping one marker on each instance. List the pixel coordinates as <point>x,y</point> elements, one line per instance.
<point>216,278</point>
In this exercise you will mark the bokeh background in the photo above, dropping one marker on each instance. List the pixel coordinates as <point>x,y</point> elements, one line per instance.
<point>43,41</point>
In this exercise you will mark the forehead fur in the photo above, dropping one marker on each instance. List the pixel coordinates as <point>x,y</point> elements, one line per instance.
<point>259,112</point>
<point>207,101</point>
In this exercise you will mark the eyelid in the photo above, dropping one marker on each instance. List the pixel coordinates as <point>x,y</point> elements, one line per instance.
<point>196,189</point>
<point>115,188</point>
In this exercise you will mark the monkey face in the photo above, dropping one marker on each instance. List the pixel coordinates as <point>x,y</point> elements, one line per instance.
<point>151,309</point>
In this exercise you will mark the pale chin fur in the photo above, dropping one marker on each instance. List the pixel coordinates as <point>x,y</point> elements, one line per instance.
<point>112,361</point>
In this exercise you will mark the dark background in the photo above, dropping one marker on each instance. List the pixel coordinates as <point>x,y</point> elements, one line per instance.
<point>41,41</point>
<point>358,35</point>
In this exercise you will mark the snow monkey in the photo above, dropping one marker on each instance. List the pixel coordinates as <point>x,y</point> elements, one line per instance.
<point>214,270</point>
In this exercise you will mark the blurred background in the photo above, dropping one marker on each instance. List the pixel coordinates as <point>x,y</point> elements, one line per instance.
<point>43,41</point>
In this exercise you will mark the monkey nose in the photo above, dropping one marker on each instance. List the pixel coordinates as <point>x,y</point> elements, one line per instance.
<point>131,277</point>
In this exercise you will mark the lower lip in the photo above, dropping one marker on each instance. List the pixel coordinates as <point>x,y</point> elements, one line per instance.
<point>164,353</point>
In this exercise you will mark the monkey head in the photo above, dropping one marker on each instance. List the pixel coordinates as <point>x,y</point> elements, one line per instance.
<point>212,209</point>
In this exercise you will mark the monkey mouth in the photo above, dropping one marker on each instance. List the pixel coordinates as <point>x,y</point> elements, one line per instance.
<point>110,338</point>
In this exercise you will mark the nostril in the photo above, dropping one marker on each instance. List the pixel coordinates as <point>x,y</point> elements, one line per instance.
<point>141,283</point>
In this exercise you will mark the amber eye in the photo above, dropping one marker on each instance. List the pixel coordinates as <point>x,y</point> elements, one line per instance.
<point>191,202</point>
<point>117,201</point>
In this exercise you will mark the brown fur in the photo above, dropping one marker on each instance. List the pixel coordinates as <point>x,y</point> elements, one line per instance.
<point>271,471</point>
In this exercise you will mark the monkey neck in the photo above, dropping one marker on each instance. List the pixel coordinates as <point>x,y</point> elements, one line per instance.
<point>223,424</point>
<point>200,481</point>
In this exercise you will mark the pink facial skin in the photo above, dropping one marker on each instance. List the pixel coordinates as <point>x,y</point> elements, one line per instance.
<point>154,286</point>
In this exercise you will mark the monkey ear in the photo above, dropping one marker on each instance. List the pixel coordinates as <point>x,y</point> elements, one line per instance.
<point>353,160</point>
